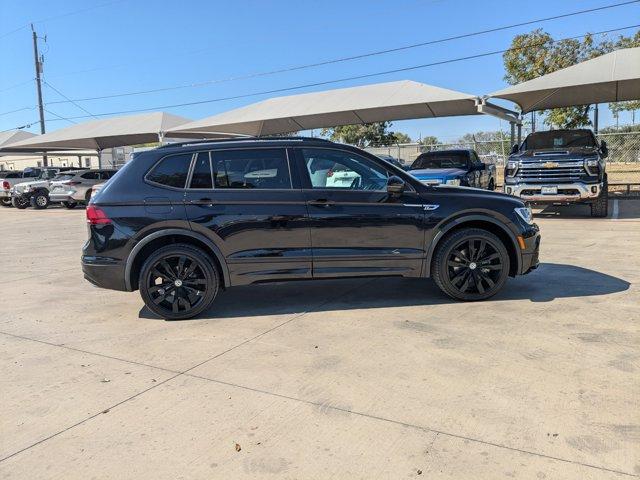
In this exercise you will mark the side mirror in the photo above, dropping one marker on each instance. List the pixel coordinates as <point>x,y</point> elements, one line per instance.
<point>515,148</point>
<point>395,185</point>
<point>604,150</point>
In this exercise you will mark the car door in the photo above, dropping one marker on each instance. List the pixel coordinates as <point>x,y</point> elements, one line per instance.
<point>357,228</point>
<point>250,203</point>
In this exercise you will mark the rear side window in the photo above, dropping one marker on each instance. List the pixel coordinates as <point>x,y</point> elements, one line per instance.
<point>259,168</point>
<point>171,171</point>
<point>11,175</point>
<point>91,175</point>
<point>201,177</point>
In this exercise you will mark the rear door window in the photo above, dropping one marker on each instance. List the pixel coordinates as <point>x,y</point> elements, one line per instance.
<point>171,171</point>
<point>258,168</point>
<point>91,175</point>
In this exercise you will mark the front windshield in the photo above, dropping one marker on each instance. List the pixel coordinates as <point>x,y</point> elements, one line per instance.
<point>559,139</point>
<point>441,160</point>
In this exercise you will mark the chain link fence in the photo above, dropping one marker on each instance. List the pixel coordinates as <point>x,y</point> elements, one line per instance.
<point>623,163</point>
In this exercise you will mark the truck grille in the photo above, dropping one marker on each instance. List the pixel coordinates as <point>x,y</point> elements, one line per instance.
<point>550,171</point>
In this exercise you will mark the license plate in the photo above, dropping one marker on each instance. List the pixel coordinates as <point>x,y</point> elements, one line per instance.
<point>549,190</point>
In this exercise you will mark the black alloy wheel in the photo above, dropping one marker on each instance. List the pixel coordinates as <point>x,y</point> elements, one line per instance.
<point>471,264</point>
<point>21,202</point>
<point>178,282</point>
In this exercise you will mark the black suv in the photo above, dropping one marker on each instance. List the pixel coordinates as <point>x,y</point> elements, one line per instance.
<point>182,221</point>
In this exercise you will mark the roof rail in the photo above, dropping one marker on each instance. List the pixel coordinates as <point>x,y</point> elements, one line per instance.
<point>243,139</point>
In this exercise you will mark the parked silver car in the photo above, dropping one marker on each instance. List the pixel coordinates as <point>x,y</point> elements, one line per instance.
<point>72,188</point>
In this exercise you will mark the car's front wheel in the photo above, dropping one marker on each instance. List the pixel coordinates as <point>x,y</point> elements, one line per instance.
<point>20,202</point>
<point>6,202</point>
<point>178,282</point>
<point>69,205</point>
<point>470,264</point>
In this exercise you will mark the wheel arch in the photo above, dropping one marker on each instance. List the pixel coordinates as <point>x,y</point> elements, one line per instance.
<point>155,240</point>
<point>485,222</point>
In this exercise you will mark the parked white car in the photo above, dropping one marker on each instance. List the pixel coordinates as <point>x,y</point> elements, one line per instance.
<point>74,187</point>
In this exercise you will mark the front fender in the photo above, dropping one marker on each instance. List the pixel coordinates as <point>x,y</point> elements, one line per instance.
<point>450,223</point>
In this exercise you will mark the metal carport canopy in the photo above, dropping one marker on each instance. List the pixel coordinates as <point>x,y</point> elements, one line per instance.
<point>612,77</point>
<point>399,100</point>
<point>101,134</point>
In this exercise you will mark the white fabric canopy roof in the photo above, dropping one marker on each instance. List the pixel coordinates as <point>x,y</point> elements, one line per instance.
<point>101,134</point>
<point>345,106</point>
<point>12,136</point>
<point>612,77</point>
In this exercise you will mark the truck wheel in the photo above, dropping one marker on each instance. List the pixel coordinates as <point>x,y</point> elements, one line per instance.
<point>69,205</point>
<point>20,202</point>
<point>40,200</point>
<point>600,207</point>
<point>178,282</point>
<point>492,185</point>
<point>6,202</point>
<point>470,264</point>
<point>87,197</point>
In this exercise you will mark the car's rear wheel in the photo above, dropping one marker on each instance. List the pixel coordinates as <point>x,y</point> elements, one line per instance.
<point>40,200</point>
<point>69,205</point>
<point>471,264</point>
<point>6,202</point>
<point>178,282</point>
<point>600,206</point>
<point>20,202</point>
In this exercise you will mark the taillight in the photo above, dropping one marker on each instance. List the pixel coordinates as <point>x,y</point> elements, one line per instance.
<point>329,173</point>
<point>96,216</point>
<point>6,185</point>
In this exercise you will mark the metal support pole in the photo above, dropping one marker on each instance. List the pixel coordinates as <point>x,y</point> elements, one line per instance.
<point>595,119</point>
<point>519,134</point>
<point>160,138</point>
<point>513,134</point>
<point>533,122</point>
<point>38,64</point>
<point>99,157</point>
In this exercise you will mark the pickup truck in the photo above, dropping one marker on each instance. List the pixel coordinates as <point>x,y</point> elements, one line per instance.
<point>454,167</point>
<point>35,185</point>
<point>8,178</point>
<point>559,166</point>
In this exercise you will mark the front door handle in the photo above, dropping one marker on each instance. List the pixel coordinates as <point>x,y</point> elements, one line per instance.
<point>322,202</point>
<point>202,201</point>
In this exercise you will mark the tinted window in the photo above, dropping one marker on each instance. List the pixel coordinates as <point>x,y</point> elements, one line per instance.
<point>341,169</point>
<point>63,176</point>
<point>201,177</point>
<point>91,175</point>
<point>559,139</point>
<point>10,174</point>
<point>441,160</point>
<point>171,171</point>
<point>32,173</point>
<point>254,168</point>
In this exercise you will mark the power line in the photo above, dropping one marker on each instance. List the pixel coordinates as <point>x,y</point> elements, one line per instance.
<point>59,116</point>
<point>345,79</point>
<point>62,15</point>
<point>64,96</point>
<point>351,58</point>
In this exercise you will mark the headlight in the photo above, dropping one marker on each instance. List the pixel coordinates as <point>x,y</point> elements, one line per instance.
<point>592,165</point>
<point>525,214</point>
<point>512,168</point>
<point>454,181</point>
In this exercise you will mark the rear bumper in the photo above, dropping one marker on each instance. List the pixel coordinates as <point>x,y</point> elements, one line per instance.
<point>567,192</point>
<point>5,194</point>
<point>104,272</point>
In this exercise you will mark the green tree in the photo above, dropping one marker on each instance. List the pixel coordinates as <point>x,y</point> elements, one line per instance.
<point>362,135</point>
<point>401,137</point>
<point>536,53</point>
<point>429,142</point>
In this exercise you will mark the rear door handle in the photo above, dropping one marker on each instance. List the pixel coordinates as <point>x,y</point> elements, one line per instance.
<point>321,202</point>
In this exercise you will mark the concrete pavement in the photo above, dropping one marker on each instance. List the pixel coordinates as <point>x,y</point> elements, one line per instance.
<point>330,379</point>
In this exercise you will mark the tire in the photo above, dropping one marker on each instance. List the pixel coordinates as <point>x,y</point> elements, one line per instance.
<point>20,202</point>
<point>161,272</point>
<point>39,200</point>
<point>492,185</point>
<point>457,264</point>
<point>69,205</point>
<point>5,202</point>
<point>600,206</point>
<point>87,197</point>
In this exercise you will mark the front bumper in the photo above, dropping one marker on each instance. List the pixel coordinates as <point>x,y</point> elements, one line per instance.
<point>567,192</point>
<point>530,255</point>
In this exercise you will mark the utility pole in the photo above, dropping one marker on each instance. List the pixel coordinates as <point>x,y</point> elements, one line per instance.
<point>38,64</point>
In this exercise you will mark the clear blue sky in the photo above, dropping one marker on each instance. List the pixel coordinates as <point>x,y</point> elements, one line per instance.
<point>101,47</point>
